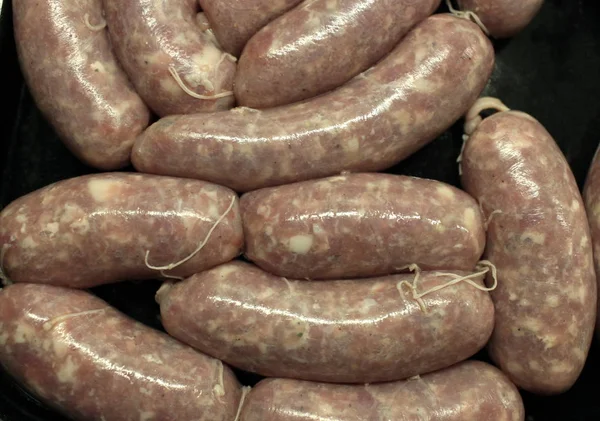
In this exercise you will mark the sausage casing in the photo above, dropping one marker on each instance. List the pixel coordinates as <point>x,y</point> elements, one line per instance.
<point>370,124</point>
<point>91,362</point>
<point>353,331</point>
<point>97,229</point>
<point>163,51</point>
<point>538,238</point>
<point>305,52</point>
<point>76,81</point>
<point>471,391</point>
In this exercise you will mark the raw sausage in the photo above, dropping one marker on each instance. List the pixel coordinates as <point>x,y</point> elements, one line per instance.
<point>235,21</point>
<point>538,237</point>
<point>370,124</point>
<point>92,363</point>
<point>471,391</point>
<point>358,331</point>
<point>305,52</point>
<point>503,18</point>
<point>592,203</point>
<point>74,77</point>
<point>174,66</point>
<point>98,229</point>
<point>361,225</point>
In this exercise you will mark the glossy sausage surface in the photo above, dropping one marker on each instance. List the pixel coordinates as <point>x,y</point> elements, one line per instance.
<point>358,331</point>
<point>538,238</point>
<point>319,46</point>
<point>97,229</point>
<point>92,363</point>
<point>471,391</point>
<point>503,18</point>
<point>236,21</point>
<point>379,118</point>
<point>165,53</point>
<point>76,81</point>
<point>361,225</point>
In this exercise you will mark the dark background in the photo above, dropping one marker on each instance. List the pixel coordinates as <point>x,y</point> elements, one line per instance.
<point>550,70</point>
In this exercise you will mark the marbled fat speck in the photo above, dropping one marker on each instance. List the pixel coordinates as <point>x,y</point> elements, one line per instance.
<point>150,36</point>
<point>92,363</point>
<point>356,331</point>
<point>319,46</point>
<point>96,229</point>
<point>236,21</point>
<point>76,81</point>
<point>538,238</point>
<point>471,391</point>
<point>370,124</point>
<point>361,225</point>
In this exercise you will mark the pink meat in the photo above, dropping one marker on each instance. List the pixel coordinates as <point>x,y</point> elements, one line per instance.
<point>96,229</point>
<point>361,225</point>
<point>331,331</point>
<point>236,21</point>
<point>471,391</point>
<point>75,79</point>
<point>592,204</point>
<point>503,18</point>
<point>319,46</point>
<point>538,237</point>
<point>92,363</point>
<point>154,38</point>
<point>370,124</point>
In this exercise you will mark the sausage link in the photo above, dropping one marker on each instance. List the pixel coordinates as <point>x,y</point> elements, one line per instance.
<point>98,229</point>
<point>166,54</point>
<point>503,18</point>
<point>305,52</point>
<point>471,391</point>
<point>591,194</point>
<point>330,331</point>
<point>76,81</point>
<point>92,363</point>
<point>361,225</point>
<point>372,123</point>
<point>236,21</point>
<point>539,240</point>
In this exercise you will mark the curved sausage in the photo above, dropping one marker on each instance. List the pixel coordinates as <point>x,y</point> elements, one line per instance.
<point>471,391</point>
<point>591,195</point>
<point>503,18</point>
<point>92,363</point>
<point>330,331</point>
<point>76,81</point>
<point>99,229</point>
<point>306,52</point>
<point>361,225</point>
<point>370,124</point>
<point>236,21</point>
<point>166,54</point>
<point>538,238</point>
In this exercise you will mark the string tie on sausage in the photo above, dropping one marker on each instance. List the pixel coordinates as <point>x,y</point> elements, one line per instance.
<point>473,117</point>
<point>98,27</point>
<point>483,267</point>
<point>3,276</point>
<point>172,266</point>
<point>469,15</point>
<point>193,94</point>
<point>245,391</point>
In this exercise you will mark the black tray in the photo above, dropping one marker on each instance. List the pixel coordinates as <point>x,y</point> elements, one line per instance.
<point>550,71</point>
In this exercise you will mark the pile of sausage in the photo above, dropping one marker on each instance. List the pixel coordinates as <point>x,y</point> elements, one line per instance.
<point>360,295</point>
